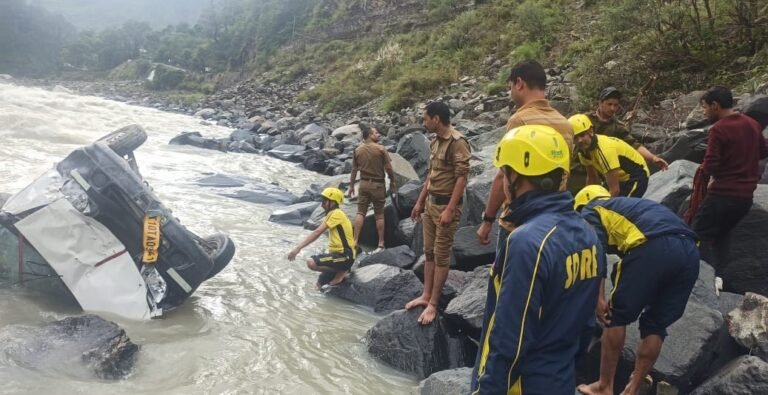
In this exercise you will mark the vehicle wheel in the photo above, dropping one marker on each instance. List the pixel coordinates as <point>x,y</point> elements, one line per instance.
<point>221,249</point>
<point>126,139</point>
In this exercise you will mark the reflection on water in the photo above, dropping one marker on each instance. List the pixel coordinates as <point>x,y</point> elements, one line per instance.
<point>258,327</point>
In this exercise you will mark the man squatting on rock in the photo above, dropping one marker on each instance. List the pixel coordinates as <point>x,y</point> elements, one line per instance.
<point>439,204</point>
<point>334,264</point>
<point>371,159</point>
<point>658,268</point>
<point>545,278</point>
<point>527,82</point>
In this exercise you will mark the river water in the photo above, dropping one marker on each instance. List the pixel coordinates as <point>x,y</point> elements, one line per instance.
<point>259,327</point>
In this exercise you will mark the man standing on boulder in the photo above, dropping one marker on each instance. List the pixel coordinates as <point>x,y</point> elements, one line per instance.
<point>527,82</point>
<point>372,160</point>
<point>622,168</point>
<point>334,264</point>
<point>440,202</point>
<point>544,281</point>
<point>659,267</point>
<point>606,123</point>
<point>735,146</point>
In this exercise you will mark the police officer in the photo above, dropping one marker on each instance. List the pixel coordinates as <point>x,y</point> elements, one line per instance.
<point>544,282</point>
<point>372,160</point>
<point>659,267</point>
<point>621,166</point>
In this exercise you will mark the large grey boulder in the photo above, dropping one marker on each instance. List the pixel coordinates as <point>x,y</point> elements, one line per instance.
<point>294,214</point>
<point>488,139</point>
<point>250,190</point>
<point>369,236</point>
<point>381,287</point>
<point>697,346</point>
<point>747,269</point>
<point>406,198</point>
<point>447,382</point>
<point>672,187</point>
<point>83,347</point>
<point>468,253</point>
<point>748,324</point>
<point>405,231</point>
<point>687,144</point>
<point>401,342</point>
<point>400,256</point>
<point>414,148</point>
<point>745,375</point>
<point>757,108</point>
<point>466,310</point>
<point>346,131</point>
<point>288,152</point>
<point>478,189</point>
<point>403,170</point>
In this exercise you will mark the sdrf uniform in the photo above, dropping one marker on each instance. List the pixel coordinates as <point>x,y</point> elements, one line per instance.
<point>611,153</point>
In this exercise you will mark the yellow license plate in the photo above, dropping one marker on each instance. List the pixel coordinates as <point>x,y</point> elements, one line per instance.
<point>151,238</point>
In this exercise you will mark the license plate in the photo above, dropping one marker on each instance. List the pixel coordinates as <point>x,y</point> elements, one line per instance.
<point>151,238</point>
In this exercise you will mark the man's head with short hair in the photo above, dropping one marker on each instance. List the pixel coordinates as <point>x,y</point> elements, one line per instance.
<point>369,132</point>
<point>608,102</point>
<point>527,81</point>
<point>717,102</point>
<point>436,114</point>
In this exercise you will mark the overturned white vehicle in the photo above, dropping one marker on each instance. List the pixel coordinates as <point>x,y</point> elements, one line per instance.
<point>92,227</point>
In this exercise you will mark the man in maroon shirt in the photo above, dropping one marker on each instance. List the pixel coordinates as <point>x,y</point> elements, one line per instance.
<point>735,146</point>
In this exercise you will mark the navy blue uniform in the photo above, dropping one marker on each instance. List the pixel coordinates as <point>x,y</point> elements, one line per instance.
<point>660,261</point>
<point>541,299</point>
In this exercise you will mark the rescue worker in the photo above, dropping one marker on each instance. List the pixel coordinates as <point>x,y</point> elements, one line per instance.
<point>606,123</point>
<point>439,204</point>
<point>623,169</point>
<point>527,82</point>
<point>734,148</point>
<point>543,284</point>
<point>653,280</point>
<point>372,160</point>
<point>334,264</point>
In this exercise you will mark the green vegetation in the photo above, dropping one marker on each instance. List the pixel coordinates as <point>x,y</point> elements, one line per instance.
<point>686,44</point>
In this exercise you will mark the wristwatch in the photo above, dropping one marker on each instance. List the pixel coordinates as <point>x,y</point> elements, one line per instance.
<point>488,219</point>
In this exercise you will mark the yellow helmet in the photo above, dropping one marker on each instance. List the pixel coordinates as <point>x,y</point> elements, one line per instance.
<point>333,194</point>
<point>589,193</point>
<point>533,150</point>
<point>580,123</point>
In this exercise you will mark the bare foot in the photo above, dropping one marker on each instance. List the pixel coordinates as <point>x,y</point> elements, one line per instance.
<point>338,278</point>
<point>420,301</point>
<point>595,388</point>
<point>428,315</point>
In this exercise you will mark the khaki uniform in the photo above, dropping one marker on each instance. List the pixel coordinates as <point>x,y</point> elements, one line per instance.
<point>537,112</point>
<point>449,160</point>
<point>371,160</point>
<point>613,128</point>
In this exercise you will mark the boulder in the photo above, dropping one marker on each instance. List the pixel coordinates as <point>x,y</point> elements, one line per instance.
<point>468,253</point>
<point>312,132</point>
<point>346,131</point>
<point>369,236</point>
<point>729,301</point>
<point>406,198</point>
<point>241,135</point>
<point>466,310</point>
<point>748,324</point>
<point>315,160</point>
<point>745,375</point>
<point>447,382</point>
<point>478,189</point>
<point>697,346</point>
<point>672,187</point>
<point>405,231</point>
<point>205,113</point>
<point>420,350</point>
<point>414,148</point>
<point>747,270</point>
<point>400,256</point>
<point>294,214</point>
<point>688,144</point>
<point>83,347</point>
<point>471,128</point>
<point>291,153</point>
<point>456,104</point>
<point>382,287</point>
<point>195,139</point>
<point>488,139</point>
<point>757,108</point>
<point>220,181</point>
<point>403,170</point>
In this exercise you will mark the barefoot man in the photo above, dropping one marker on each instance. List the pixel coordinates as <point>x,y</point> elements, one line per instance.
<point>341,244</point>
<point>447,177</point>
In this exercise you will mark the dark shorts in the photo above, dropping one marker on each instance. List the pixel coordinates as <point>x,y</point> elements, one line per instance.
<point>654,279</point>
<point>634,187</point>
<point>718,215</point>
<point>336,261</point>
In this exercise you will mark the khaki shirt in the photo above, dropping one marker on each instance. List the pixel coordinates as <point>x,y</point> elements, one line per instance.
<point>444,170</point>
<point>612,128</point>
<point>539,112</point>
<point>371,159</point>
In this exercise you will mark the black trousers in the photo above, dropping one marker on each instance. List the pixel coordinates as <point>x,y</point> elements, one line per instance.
<point>717,216</point>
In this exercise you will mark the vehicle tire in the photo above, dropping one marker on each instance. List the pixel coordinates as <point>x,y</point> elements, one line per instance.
<point>126,139</point>
<point>221,249</point>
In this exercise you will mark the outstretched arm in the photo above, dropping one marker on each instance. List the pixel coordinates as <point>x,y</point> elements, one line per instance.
<point>309,240</point>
